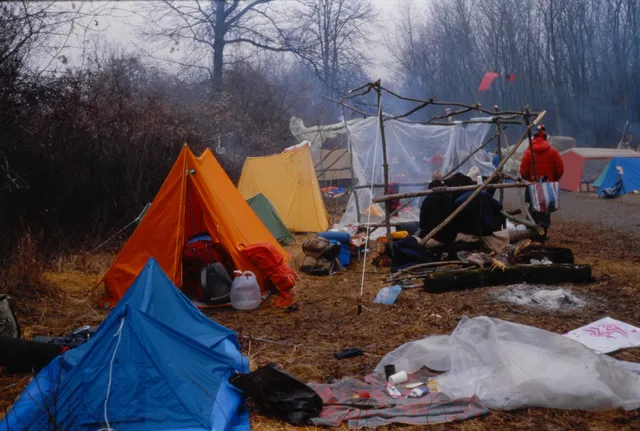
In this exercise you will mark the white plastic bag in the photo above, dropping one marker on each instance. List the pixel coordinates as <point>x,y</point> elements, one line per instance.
<point>510,366</point>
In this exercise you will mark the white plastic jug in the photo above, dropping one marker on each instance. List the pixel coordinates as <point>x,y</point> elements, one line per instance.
<point>245,291</point>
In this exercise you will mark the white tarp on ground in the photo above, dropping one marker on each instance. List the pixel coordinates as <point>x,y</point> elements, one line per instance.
<point>607,335</point>
<point>414,151</point>
<point>510,366</point>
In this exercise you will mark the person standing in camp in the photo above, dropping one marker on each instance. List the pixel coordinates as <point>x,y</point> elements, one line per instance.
<point>548,167</point>
<point>548,162</point>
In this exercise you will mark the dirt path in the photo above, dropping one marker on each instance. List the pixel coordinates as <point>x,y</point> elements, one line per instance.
<point>622,214</point>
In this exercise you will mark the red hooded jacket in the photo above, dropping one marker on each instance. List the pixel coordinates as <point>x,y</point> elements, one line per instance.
<point>548,161</point>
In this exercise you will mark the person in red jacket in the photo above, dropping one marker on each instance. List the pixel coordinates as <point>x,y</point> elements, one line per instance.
<point>549,167</point>
<point>547,159</point>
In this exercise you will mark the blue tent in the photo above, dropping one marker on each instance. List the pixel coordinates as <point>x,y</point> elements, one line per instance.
<point>630,175</point>
<point>155,363</point>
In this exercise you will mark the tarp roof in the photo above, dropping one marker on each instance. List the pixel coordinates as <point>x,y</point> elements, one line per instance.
<point>601,153</point>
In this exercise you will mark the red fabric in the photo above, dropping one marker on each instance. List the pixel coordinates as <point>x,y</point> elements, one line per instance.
<point>392,189</point>
<point>487,79</point>
<point>573,164</point>
<point>548,161</point>
<point>268,260</point>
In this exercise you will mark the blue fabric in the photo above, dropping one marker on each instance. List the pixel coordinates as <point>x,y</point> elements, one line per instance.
<point>202,237</point>
<point>598,181</point>
<point>610,192</point>
<point>341,237</point>
<point>481,217</point>
<point>630,176</point>
<point>163,378</point>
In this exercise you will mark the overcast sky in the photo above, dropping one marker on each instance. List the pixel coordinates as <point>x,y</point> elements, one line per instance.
<point>120,29</point>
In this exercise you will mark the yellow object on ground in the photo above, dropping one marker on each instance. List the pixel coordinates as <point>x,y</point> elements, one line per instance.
<point>289,181</point>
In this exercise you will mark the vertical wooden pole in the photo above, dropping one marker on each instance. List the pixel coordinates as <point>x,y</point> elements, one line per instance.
<point>533,156</point>
<point>499,152</point>
<point>350,150</point>
<point>385,166</point>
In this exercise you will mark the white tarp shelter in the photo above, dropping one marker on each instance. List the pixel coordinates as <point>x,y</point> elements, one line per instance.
<point>414,152</point>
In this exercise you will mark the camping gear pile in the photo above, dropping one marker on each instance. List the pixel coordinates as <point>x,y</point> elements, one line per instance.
<point>320,257</point>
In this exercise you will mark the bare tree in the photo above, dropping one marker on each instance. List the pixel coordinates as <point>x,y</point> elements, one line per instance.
<point>336,34</point>
<point>207,28</point>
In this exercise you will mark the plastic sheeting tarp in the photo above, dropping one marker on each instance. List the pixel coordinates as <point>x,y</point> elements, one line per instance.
<point>414,152</point>
<point>510,366</point>
<point>289,181</point>
<point>169,371</point>
<point>269,216</point>
<point>630,168</point>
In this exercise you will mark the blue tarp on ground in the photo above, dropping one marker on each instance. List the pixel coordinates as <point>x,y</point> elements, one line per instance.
<point>630,175</point>
<point>169,372</point>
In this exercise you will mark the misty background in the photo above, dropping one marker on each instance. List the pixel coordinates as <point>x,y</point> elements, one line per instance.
<point>97,98</point>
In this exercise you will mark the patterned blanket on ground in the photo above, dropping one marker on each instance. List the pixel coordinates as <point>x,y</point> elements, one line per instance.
<point>365,404</point>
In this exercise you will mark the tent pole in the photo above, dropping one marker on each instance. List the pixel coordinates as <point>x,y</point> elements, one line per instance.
<point>533,156</point>
<point>385,166</point>
<point>350,150</point>
<point>499,151</point>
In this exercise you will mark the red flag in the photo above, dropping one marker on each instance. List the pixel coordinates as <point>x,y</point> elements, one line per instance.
<point>487,80</point>
<point>512,77</point>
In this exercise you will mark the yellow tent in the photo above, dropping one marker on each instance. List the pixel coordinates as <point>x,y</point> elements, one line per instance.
<point>289,181</point>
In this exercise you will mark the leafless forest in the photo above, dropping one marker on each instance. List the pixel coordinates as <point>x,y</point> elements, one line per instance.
<point>83,147</point>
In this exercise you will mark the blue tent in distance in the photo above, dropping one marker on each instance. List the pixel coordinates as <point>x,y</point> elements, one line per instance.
<point>140,373</point>
<point>630,168</point>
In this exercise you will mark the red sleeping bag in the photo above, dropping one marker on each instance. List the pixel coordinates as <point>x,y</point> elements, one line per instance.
<point>267,259</point>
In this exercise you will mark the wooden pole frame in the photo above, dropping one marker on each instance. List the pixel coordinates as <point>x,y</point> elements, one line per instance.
<point>484,185</point>
<point>385,166</point>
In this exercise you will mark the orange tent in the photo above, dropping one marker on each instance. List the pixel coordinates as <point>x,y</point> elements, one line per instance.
<point>197,196</point>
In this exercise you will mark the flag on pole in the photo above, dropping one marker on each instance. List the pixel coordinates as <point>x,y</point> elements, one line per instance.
<point>488,78</point>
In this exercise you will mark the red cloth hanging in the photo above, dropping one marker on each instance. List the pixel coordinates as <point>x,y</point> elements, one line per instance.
<point>487,79</point>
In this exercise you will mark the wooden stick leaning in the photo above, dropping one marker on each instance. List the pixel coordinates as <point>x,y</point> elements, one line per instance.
<point>436,190</point>
<point>485,184</point>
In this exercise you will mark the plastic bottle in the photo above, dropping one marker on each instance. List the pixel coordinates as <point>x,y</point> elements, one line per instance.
<point>245,291</point>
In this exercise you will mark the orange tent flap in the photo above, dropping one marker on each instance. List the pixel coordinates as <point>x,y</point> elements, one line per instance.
<point>289,182</point>
<point>223,213</point>
<point>160,234</point>
<point>227,215</point>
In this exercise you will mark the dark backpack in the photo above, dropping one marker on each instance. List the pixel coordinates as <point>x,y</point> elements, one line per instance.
<point>9,326</point>
<point>216,284</point>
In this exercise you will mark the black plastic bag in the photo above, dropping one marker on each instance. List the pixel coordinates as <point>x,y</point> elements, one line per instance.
<point>277,393</point>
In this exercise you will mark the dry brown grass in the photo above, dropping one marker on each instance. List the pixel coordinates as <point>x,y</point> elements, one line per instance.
<point>326,322</point>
